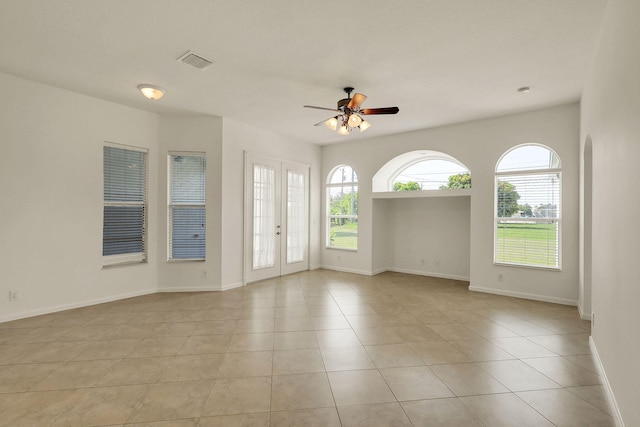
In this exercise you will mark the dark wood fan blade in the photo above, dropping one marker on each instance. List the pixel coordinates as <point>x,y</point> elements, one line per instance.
<point>320,108</point>
<point>356,101</point>
<point>387,110</point>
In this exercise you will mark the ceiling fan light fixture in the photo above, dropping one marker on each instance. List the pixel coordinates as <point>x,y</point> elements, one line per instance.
<point>364,125</point>
<point>344,129</point>
<point>151,92</point>
<point>332,123</point>
<point>355,120</point>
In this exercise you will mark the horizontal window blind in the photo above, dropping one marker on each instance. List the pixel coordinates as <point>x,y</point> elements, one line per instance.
<point>528,219</point>
<point>187,207</point>
<point>124,213</point>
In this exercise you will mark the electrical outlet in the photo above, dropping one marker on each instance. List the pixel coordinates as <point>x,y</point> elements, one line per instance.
<point>13,295</point>
<point>204,274</point>
<point>500,278</point>
<point>422,261</point>
<point>437,263</point>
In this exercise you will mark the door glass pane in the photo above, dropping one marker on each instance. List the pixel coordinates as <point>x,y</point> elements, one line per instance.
<point>264,210</point>
<point>296,221</point>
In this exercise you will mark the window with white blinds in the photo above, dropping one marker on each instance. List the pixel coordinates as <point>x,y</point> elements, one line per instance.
<point>125,205</point>
<point>528,208</point>
<point>187,206</point>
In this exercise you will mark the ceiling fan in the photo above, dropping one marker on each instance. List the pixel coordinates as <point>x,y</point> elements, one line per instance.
<point>350,114</point>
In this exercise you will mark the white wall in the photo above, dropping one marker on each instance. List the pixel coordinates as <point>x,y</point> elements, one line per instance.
<point>238,138</point>
<point>51,190</point>
<point>430,236</point>
<point>610,111</point>
<point>202,134</point>
<point>478,145</point>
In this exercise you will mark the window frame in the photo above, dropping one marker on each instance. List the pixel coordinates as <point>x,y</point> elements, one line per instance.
<point>544,220</point>
<point>134,257</point>
<point>170,204</point>
<point>329,216</point>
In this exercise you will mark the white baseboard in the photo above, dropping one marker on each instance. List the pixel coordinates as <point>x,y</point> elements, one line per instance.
<point>346,270</point>
<point>429,273</point>
<point>79,304</point>
<point>226,287</point>
<point>315,267</point>
<point>189,289</point>
<point>523,295</point>
<point>583,315</point>
<point>613,404</point>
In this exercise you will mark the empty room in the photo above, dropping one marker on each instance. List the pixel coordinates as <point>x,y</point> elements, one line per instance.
<point>283,213</point>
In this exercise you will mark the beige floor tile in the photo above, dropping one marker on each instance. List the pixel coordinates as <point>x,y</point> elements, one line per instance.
<point>438,353</point>
<point>294,340</point>
<point>504,410</point>
<point>454,332</point>
<point>243,420</point>
<point>135,371</point>
<point>415,383</point>
<point>205,344</point>
<point>561,344</point>
<point>329,322</point>
<point>251,326</point>
<point>324,310</point>
<point>318,417</point>
<point>488,329</point>
<point>40,408</point>
<point>301,391</point>
<point>258,313</point>
<point>246,364</point>
<point>176,329</point>
<point>595,395</point>
<point>288,324</point>
<point>518,376</point>
<point>346,358</point>
<point>337,338</point>
<point>468,379</point>
<point>190,422</point>
<point>359,387</point>
<point>564,408</point>
<point>377,336</point>
<point>107,349</point>
<point>522,347</point>
<point>440,413</point>
<point>172,401</point>
<point>564,372</point>
<point>158,347</point>
<point>216,327</point>
<point>377,415</point>
<point>417,334</point>
<point>393,355</point>
<point>297,361</point>
<point>76,375</point>
<point>19,378</point>
<point>52,352</point>
<point>251,342</point>
<point>191,367</point>
<point>585,361</point>
<point>481,350</point>
<point>104,406</point>
<point>231,396</point>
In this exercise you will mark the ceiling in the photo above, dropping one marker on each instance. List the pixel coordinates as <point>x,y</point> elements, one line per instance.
<point>439,61</point>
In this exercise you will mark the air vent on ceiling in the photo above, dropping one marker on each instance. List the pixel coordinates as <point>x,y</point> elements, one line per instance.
<point>195,60</point>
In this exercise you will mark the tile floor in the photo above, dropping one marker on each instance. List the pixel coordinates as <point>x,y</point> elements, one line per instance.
<point>318,348</point>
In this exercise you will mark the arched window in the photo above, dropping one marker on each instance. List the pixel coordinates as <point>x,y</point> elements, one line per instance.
<point>422,170</point>
<point>528,207</point>
<point>342,208</point>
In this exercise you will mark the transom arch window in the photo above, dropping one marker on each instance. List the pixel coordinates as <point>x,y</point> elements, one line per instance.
<point>342,208</point>
<point>422,170</point>
<point>528,184</point>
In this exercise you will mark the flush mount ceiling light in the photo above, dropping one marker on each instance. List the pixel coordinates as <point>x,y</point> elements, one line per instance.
<point>350,114</point>
<point>151,91</point>
<point>524,89</point>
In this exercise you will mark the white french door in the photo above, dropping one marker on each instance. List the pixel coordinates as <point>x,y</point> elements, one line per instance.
<point>276,218</point>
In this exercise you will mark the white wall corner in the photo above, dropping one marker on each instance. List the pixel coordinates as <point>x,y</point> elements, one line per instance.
<point>583,315</point>
<point>611,399</point>
<point>228,286</point>
<point>523,295</point>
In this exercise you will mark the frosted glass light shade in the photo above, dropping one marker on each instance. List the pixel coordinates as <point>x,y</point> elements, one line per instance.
<point>364,125</point>
<point>332,123</point>
<point>151,92</point>
<point>355,120</point>
<point>343,130</point>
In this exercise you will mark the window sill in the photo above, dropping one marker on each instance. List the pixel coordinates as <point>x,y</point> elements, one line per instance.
<point>532,267</point>
<point>171,261</point>
<point>421,193</point>
<point>334,248</point>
